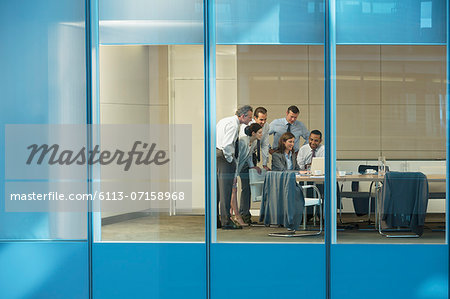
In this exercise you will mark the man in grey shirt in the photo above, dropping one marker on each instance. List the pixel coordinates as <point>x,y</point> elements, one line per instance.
<point>289,124</point>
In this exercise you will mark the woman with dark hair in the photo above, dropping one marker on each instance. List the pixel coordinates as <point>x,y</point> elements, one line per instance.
<point>247,145</point>
<point>285,158</point>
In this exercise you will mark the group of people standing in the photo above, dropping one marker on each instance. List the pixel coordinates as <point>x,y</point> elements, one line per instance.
<point>242,142</point>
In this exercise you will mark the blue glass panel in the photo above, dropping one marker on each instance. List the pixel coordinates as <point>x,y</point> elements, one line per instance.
<point>268,270</point>
<point>391,22</point>
<point>149,270</point>
<point>37,270</point>
<point>151,22</point>
<point>270,22</point>
<point>390,271</point>
<point>42,80</point>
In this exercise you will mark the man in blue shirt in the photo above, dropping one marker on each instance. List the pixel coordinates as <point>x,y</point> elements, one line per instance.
<point>289,124</point>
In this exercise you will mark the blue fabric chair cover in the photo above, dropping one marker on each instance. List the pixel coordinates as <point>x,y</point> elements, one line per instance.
<point>405,202</point>
<point>282,201</point>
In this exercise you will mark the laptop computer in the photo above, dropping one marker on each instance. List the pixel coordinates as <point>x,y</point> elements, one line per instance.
<point>318,163</point>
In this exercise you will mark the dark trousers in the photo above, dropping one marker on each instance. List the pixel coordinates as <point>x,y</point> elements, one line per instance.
<point>244,205</point>
<point>225,177</point>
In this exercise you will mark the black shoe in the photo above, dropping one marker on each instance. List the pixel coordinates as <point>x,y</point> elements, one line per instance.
<point>231,225</point>
<point>248,219</point>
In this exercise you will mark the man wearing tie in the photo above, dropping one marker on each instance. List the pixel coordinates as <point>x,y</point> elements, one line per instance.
<point>304,159</point>
<point>311,150</point>
<point>261,151</point>
<point>227,130</point>
<point>288,124</point>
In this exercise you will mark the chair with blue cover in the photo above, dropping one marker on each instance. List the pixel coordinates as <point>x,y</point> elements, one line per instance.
<point>404,203</point>
<point>256,182</point>
<point>284,201</point>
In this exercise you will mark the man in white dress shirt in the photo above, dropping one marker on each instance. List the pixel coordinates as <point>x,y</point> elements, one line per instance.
<point>227,130</point>
<point>261,151</point>
<point>288,124</point>
<point>304,159</point>
<point>310,150</point>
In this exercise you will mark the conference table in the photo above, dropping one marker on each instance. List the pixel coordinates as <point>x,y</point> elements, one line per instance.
<point>362,178</point>
<point>375,178</point>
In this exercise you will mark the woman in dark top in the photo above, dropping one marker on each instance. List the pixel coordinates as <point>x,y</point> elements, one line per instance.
<point>247,145</point>
<point>285,158</point>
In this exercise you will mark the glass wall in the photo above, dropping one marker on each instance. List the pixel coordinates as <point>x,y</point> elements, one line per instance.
<point>43,81</point>
<point>151,74</point>
<point>269,55</point>
<point>391,122</point>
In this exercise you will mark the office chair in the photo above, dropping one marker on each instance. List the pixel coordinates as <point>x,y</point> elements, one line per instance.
<point>281,203</point>
<point>356,194</point>
<point>404,202</point>
<point>300,196</point>
<point>312,202</point>
<point>256,182</point>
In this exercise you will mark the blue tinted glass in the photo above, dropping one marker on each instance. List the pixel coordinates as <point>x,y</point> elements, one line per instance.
<point>151,22</point>
<point>42,79</point>
<point>391,22</point>
<point>270,22</point>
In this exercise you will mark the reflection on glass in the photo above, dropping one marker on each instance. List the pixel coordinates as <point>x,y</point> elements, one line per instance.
<point>390,143</point>
<point>150,22</point>
<point>391,22</point>
<point>270,22</point>
<point>52,90</point>
<point>284,86</point>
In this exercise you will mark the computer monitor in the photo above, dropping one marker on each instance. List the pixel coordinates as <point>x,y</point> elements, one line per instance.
<point>318,163</point>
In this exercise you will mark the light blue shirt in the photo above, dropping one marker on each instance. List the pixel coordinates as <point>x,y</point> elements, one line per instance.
<point>279,126</point>
<point>288,160</point>
<point>245,154</point>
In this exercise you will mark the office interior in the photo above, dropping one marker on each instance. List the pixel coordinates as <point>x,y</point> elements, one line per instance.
<point>372,76</point>
<point>390,102</point>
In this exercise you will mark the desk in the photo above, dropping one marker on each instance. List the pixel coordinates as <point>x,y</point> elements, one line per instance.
<point>345,178</point>
<point>362,178</point>
<point>436,178</point>
<point>375,178</point>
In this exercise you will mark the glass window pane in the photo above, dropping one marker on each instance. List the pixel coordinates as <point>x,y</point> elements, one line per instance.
<point>396,22</point>
<point>391,111</point>
<point>151,22</point>
<point>270,22</point>
<point>151,73</point>
<point>268,56</point>
<point>43,81</point>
